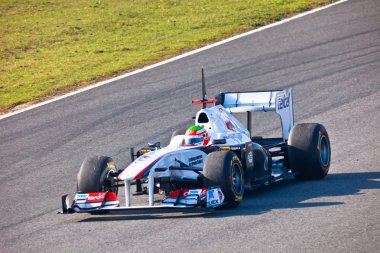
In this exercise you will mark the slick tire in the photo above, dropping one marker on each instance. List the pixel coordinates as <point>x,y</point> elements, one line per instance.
<point>223,169</point>
<point>93,175</point>
<point>309,151</point>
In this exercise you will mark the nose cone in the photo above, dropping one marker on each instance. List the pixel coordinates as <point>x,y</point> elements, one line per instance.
<point>134,171</point>
<point>138,167</point>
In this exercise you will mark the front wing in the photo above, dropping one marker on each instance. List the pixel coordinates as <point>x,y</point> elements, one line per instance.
<point>104,202</point>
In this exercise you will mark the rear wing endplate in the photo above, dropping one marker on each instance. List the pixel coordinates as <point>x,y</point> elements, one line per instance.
<point>280,101</point>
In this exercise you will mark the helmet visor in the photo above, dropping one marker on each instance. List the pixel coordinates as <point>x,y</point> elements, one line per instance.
<point>194,140</point>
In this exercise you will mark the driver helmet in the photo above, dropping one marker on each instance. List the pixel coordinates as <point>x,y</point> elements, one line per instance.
<point>196,136</point>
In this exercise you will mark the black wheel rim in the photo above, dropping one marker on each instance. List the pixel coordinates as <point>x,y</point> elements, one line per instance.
<point>324,151</point>
<point>237,180</point>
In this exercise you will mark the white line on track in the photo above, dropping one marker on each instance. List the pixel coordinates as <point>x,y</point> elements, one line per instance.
<point>173,59</point>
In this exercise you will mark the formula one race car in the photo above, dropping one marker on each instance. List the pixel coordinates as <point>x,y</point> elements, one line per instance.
<point>212,163</point>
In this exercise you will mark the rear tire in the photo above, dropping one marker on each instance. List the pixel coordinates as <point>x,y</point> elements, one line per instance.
<point>93,175</point>
<point>223,169</point>
<point>309,151</point>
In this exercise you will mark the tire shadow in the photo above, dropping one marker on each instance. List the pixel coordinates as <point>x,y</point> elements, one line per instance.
<point>282,195</point>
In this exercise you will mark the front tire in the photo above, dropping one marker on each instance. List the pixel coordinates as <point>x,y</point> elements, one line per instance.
<point>93,175</point>
<point>309,151</point>
<point>224,169</point>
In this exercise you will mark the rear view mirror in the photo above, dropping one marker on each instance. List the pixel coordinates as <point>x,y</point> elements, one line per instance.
<point>219,141</point>
<point>154,144</point>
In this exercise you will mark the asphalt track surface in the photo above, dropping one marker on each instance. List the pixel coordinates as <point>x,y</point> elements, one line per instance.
<point>331,60</point>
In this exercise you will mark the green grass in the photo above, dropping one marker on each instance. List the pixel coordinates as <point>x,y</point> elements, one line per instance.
<point>48,47</point>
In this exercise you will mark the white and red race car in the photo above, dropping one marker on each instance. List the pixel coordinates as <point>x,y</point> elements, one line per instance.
<point>215,173</point>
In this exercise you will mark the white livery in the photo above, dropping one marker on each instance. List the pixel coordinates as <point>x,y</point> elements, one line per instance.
<point>216,172</point>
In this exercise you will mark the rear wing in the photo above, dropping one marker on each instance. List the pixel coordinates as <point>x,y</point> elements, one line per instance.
<point>280,101</point>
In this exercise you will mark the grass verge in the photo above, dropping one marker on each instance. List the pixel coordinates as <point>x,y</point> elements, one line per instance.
<point>49,47</point>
